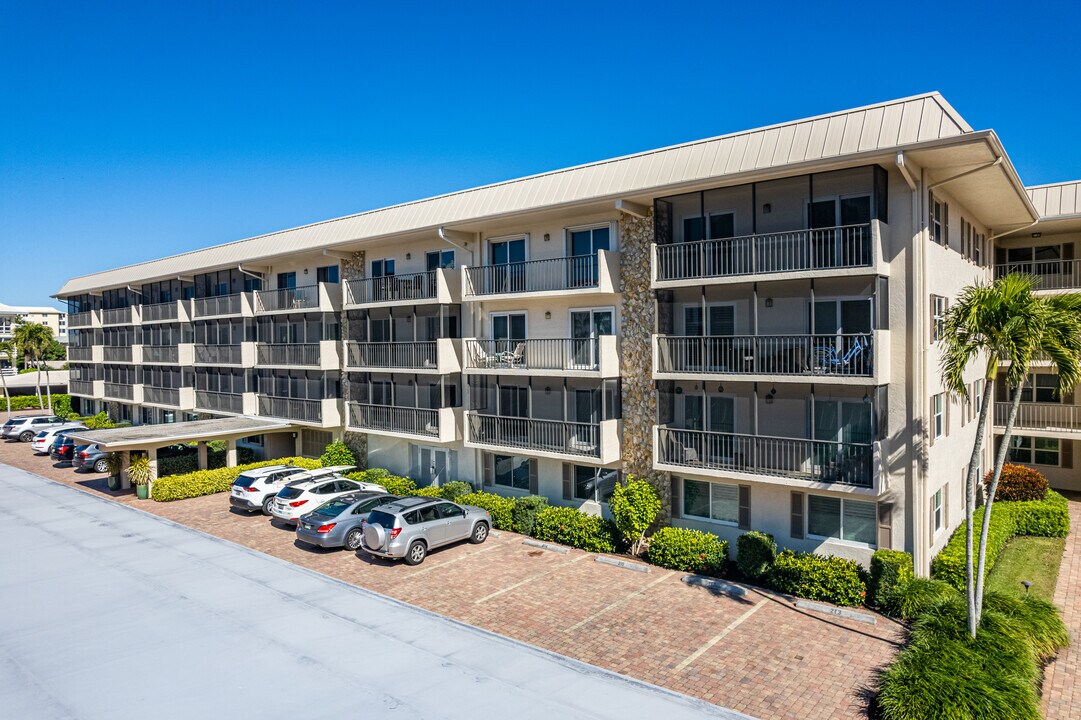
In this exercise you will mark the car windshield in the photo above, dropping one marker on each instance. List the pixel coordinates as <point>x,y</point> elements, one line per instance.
<point>378,517</point>
<point>290,492</point>
<point>243,481</point>
<point>42,434</point>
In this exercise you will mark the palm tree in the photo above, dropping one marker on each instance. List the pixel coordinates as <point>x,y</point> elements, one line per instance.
<point>32,340</point>
<point>7,350</point>
<point>1004,322</point>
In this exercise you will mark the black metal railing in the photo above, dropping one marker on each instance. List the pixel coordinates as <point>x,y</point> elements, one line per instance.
<point>554,274</point>
<point>219,305</point>
<point>299,298</point>
<point>161,396</point>
<point>121,391</point>
<point>413,421</point>
<point>844,355</point>
<point>219,401</point>
<point>117,354</point>
<point>411,287</point>
<point>218,354</point>
<point>408,355</point>
<point>161,311</point>
<point>543,354</point>
<point>81,353</point>
<point>81,387</point>
<point>117,316</point>
<point>300,409</point>
<point>287,354</point>
<point>558,436</point>
<point>161,354</point>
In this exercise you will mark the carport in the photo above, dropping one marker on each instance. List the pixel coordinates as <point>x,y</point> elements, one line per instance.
<point>149,438</point>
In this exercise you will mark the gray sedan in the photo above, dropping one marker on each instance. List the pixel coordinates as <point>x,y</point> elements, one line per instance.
<point>340,522</point>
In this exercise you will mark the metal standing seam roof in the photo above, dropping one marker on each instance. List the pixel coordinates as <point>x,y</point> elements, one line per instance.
<point>891,124</point>
<point>144,436</point>
<point>1056,199</point>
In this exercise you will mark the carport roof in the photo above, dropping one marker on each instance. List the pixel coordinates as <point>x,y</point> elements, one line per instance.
<point>142,437</point>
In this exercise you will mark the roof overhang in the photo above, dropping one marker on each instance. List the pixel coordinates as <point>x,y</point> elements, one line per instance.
<point>150,437</point>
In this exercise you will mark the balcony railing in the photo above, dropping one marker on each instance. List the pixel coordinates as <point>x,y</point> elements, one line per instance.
<point>408,355</point>
<point>161,396</point>
<point>117,316</point>
<point>565,273</point>
<point>415,286</point>
<point>291,408</point>
<point>219,401</point>
<point>558,436</point>
<point>300,298</point>
<point>121,391</point>
<point>81,353</point>
<point>847,246</point>
<point>82,319</point>
<point>826,461</point>
<point>218,354</point>
<point>545,354</point>
<point>117,354</point>
<point>161,311</point>
<point>837,355</point>
<point>1041,416</point>
<point>1052,274</point>
<point>81,387</point>
<point>287,354</point>
<point>219,305</point>
<point>161,354</point>
<point>413,421</point>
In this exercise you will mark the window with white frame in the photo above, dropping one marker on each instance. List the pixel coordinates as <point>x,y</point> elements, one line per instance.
<point>841,519</point>
<point>939,305</point>
<point>977,396</point>
<point>936,511</point>
<point>936,212</point>
<point>383,268</point>
<point>938,415</point>
<point>1035,450</point>
<point>711,501</point>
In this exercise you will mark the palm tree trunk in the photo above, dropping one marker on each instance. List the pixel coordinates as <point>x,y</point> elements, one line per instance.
<point>7,395</point>
<point>1000,460</point>
<point>970,505</point>
<point>41,403</point>
<point>48,388</point>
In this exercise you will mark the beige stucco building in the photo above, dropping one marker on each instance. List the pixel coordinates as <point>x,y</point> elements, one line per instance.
<point>56,320</point>
<point>748,320</point>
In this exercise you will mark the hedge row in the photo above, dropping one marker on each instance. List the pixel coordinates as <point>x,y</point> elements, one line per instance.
<point>190,463</point>
<point>208,482</point>
<point>61,403</point>
<point>1049,517</point>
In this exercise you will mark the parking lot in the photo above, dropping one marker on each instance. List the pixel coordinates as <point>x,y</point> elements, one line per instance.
<point>757,654</point>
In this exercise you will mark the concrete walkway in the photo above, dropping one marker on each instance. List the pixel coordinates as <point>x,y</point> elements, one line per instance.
<point>1062,678</point>
<point>108,612</point>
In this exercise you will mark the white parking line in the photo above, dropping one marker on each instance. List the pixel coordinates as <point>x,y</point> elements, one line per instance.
<point>617,603</point>
<point>720,636</point>
<point>430,568</point>
<point>529,579</point>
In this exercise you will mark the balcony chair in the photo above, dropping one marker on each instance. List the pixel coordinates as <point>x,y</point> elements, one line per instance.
<point>828,359</point>
<point>515,357</point>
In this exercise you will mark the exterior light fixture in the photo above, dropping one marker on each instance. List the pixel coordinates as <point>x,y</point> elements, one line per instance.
<point>1037,234</point>
<point>305,271</point>
<point>408,256</point>
<point>547,237</point>
<point>720,388</point>
<point>1027,584</point>
<point>769,302</point>
<point>767,209</point>
<point>547,315</point>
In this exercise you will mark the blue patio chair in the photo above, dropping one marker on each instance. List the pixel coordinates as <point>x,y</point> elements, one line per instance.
<point>827,357</point>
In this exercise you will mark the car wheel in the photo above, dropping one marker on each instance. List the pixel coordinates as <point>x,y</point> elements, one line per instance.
<point>26,436</point>
<point>480,533</point>
<point>101,466</point>
<point>266,505</point>
<point>415,554</point>
<point>353,538</point>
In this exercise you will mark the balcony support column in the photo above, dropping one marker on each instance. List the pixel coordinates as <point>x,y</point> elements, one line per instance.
<point>230,453</point>
<point>298,443</point>
<point>125,465</point>
<point>202,454</point>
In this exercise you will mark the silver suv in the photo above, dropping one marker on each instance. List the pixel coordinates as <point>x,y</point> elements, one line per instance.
<point>409,528</point>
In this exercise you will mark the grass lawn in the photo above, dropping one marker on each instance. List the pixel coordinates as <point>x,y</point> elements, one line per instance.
<point>1027,558</point>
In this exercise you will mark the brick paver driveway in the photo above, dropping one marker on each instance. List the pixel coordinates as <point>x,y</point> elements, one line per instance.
<point>1062,678</point>
<point>756,654</point>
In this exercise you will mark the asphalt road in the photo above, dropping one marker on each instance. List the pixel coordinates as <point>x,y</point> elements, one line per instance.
<point>109,612</point>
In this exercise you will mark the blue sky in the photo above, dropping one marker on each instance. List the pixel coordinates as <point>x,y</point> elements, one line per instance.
<point>130,131</point>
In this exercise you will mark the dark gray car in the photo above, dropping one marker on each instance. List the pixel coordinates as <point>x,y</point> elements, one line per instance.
<point>408,528</point>
<point>90,457</point>
<point>340,522</point>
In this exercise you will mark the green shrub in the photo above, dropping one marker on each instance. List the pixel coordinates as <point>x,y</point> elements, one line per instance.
<point>569,526</point>
<point>634,507</point>
<point>525,512</point>
<point>909,599</point>
<point>755,552</point>
<point>207,482</point>
<point>500,508</point>
<point>818,577</point>
<point>1049,517</point>
<point>394,485</point>
<point>1018,483</point>
<point>889,570</point>
<point>179,465</point>
<point>101,421</point>
<point>456,489</point>
<point>431,491</point>
<point>61,403</point>
<point>688,550</point>
<point>337,453</point>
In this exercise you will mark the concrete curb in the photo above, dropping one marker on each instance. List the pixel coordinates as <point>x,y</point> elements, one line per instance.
<point>837,611</point>
<point>546,546</point>
<point>714,584</point>
<point>637,567</point>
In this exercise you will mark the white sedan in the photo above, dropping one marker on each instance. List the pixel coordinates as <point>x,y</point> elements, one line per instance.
<point>300,497</point>
<point>45,438</point>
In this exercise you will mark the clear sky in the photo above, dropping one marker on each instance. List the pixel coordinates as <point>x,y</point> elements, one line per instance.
<point>130,131</point>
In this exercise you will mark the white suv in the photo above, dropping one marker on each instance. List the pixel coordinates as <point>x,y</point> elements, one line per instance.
<point>253,490</point>
<point>45,438</point>
<point>25,428</point>
<point>303,495</point>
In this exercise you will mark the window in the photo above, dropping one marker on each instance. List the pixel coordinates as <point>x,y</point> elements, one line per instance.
<point>939,305</point>
<point>936,220</point>
<point>711,501</point>
<point>1039,260</point>
<point>383,268</point>
<point>1034,450</point>
<point>938,415</point>
<point>511,472</point>
<point>1041,388</point>
<point>591,483</point>
<point>841,519</point>
<point>287,280</point>
<point>328,274</point>
<point>936,511</point>
<point>977,397</point>
<point>440,259</point>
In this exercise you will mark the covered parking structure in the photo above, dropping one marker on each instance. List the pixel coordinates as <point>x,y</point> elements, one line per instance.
<point>150,438</point>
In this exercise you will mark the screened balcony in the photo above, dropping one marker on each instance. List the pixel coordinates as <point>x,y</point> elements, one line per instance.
<point>307,340</point>
<point>1048,417</point>
<point>597,273</point>
<point>119,316</point>
<point>419,338</point>
<point>224,390</point>
<point>597,356</point>
<point>1052,264</point>
<point>309,396</point>
<point>84,319</point>
<point>236,304</point>
<point>322,297</point>
<point>433,286</point>
<point>168,311</point>
<point>407,406</point>
<point>226,402</point>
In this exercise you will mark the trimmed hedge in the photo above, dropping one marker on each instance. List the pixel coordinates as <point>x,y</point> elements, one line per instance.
<point>337,453</point>
<point>499,507</point>
<point>61,403</point>
<point>456,489</point>
<point>190,463</point>
<point>525,512</point>
<point>755,552</point>
<point>1018,483</point>
<point>909,600</point>
<point>208,482</point>
<point>890,569</point>
<point>1049,517</point>
<point>818,577</point>
<point>688,550</point>
<point>568,526</point>
<point>394,485</point>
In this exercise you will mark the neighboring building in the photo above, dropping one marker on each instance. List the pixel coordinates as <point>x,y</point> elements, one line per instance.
<point>57,320</point>
<point>750,321</point>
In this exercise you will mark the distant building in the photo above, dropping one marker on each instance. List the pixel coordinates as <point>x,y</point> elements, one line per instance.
<point>55,319</point>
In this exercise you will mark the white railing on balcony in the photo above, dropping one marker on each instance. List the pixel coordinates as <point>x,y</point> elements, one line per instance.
<point>161,396</point>
<point>117,354</point>
<point>81,353</point>
<point>83,319</point>
<point>1051,274</point>
<point>81,387</point>
<point>218,354</point>
<point>407,355</point>
<point>554,274</point>
<point>557,436</point>
<point>219,305</point>
<point>161,311</point>
<point>219,401</point>
<point>287,354</point>
<point>827,461</point>
<point>409,420</point>
<point>543,354</point>
<point>300,298</point>
<point>117,316</point>
<point>414,286</point>
<point>1040,416</point>
<point>291,408</point>
<point>161,354</point>
<point>844,355</point>
<point>121,391</point>
<point>847,246</point>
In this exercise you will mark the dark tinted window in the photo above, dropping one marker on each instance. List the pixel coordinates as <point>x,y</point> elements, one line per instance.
<point>412,518</point>
<point>429,514</point>
<point>289,493</point>
<point>372,504</point>
<point>334,507</point>
<point>346,485</point>
<point>379,517</point>
<point>448,510</point>
<point>243,481</point>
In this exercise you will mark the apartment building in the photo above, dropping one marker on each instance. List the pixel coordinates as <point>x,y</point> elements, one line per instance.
<point>751,321</point>
<point>56,320</point>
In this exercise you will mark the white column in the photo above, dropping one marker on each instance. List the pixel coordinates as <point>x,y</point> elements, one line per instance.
<point>298,443</point>
<point>230,453</point>
<point>202,455</point>
<point>125,463</point>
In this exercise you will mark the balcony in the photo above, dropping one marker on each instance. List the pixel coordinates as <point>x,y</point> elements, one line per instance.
<point>1051,274</point>
<point>318,412</point>
<point>435,286</point>
<point>829,357</point>
<point>842,250</point>
<point>170,311</point>
<point>581,274</point>
<point>725,454</point>
<point>1048,419</point>
<point>222,402</point>
<point>125,354</point>
<point>180,398</point>
<point>572,357</point>
<point>123,391</point>
<point>90,354</point>
<point>324,297</point>
<point>322,355</point>
<point>432,424</point>
<point>236,305</point>
<point>440,357</point>
<point>86,388</point>
<point>182,354</point>
<point>241,354</point>
<point>86,319</point>
<point>550,438</point>
<point>120,316</point>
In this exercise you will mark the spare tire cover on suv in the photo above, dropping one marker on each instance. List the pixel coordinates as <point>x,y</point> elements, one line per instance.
<point>374,536</point>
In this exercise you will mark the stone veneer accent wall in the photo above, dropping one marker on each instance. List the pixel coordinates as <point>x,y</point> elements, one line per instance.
<point>352,269</point>
<point>636,350</point>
